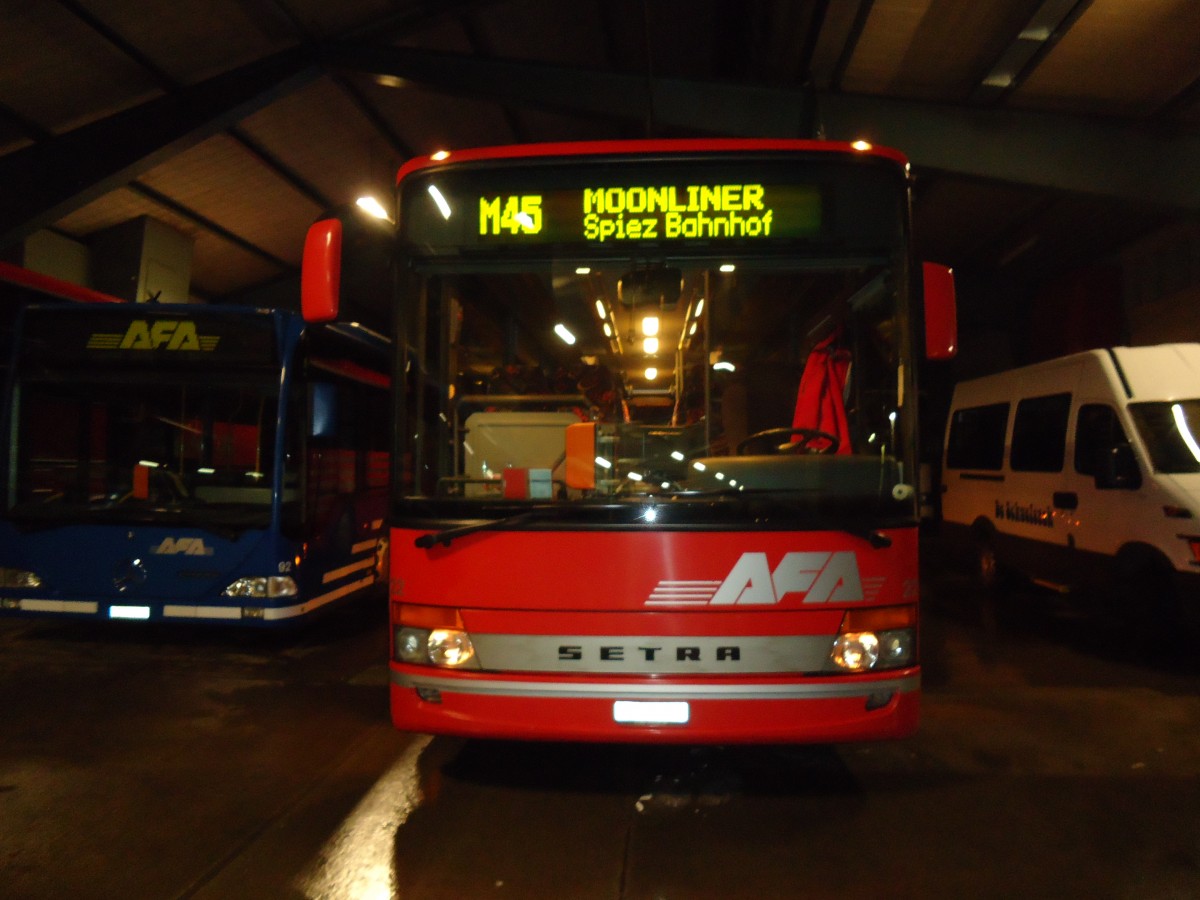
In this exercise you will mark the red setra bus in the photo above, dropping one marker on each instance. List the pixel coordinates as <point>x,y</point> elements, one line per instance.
<point>655,468</point>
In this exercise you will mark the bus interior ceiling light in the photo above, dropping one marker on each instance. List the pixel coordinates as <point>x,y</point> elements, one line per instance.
<point>373,207</point>
<point>442,205</point>
<point>565,333</point>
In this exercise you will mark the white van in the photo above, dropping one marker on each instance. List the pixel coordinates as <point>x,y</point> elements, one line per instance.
<point>1083,471</point>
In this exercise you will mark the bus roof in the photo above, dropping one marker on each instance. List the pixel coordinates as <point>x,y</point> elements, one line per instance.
<point>648,148</point>
<point>52,287</point>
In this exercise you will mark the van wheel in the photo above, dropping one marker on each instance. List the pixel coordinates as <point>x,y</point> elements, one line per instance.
<point>1146,591</point>
<point>988,581</point>
<point>989,571</point>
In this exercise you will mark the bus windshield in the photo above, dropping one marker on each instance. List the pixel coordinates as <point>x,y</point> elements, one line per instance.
<point>591,331</point>
<point>576,381</point>
<point>186,448</point>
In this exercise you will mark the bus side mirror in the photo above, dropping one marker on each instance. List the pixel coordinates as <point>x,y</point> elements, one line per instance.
<point>346,273</point>
<point>321,271</point>
<point>1118,469</point>
<point>941,317</point>
<point>322,409</point>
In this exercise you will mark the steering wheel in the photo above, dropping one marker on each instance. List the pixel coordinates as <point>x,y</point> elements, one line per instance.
<point>806,437</point>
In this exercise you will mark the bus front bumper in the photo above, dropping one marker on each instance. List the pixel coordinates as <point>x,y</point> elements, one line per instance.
<point>808,710</point>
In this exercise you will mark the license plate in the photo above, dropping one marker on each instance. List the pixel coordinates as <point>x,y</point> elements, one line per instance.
<point>651,712</point>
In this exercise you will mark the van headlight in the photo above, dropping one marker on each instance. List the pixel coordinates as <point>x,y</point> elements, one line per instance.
<point>263,587</point>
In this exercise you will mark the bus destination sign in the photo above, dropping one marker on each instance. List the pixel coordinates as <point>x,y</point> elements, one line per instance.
<point>601,215</point>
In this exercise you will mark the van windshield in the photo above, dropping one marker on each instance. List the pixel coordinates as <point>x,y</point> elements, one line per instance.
<point>1171,432</point>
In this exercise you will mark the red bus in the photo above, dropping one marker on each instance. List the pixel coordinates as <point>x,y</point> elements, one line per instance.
<point>655,468</point>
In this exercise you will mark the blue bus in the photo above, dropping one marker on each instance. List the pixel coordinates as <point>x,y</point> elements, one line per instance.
<point>192,463</point>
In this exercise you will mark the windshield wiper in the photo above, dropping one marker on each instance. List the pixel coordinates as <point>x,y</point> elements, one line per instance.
<point>873,536</point>
<point>445,536</point>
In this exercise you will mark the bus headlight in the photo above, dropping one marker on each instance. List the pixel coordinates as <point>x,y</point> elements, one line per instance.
<point>856,651</point>
<point>875,639</point>
<point>431,636</point>
<point>19,579</point>
<point>264,587</point>
<point>862,651</point>
<point>450,648</point>
<point>412,645</point>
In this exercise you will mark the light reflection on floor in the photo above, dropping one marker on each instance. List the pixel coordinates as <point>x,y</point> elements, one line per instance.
<point>358,862</point>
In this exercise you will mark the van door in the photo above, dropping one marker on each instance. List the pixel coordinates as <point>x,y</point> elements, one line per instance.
<point>1106,508</point>
<point>1035,514</point>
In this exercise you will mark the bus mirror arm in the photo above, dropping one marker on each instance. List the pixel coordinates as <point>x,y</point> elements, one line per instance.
<point>878,540</point>
<point>873,536</point>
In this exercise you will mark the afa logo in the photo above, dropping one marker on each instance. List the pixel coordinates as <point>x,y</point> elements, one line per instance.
<point>182,547</point>
<point>811,577</point>
<point>162,334</point>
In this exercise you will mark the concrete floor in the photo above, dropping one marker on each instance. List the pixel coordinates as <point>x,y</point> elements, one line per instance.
<point>1057,758</point>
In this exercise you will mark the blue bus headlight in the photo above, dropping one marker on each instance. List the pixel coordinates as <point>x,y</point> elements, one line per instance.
<point>19,579</point>
<point>264,587</point>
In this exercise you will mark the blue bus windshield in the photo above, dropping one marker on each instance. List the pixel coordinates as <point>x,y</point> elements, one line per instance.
<point>186,447</point>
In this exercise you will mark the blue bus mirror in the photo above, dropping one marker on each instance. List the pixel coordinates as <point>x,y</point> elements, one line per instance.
<point>322,412</point>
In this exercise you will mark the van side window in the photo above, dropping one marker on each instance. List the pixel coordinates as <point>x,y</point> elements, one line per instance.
<point>1097,431</point>
<point>977,437</point>
<point>1040,434</point>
